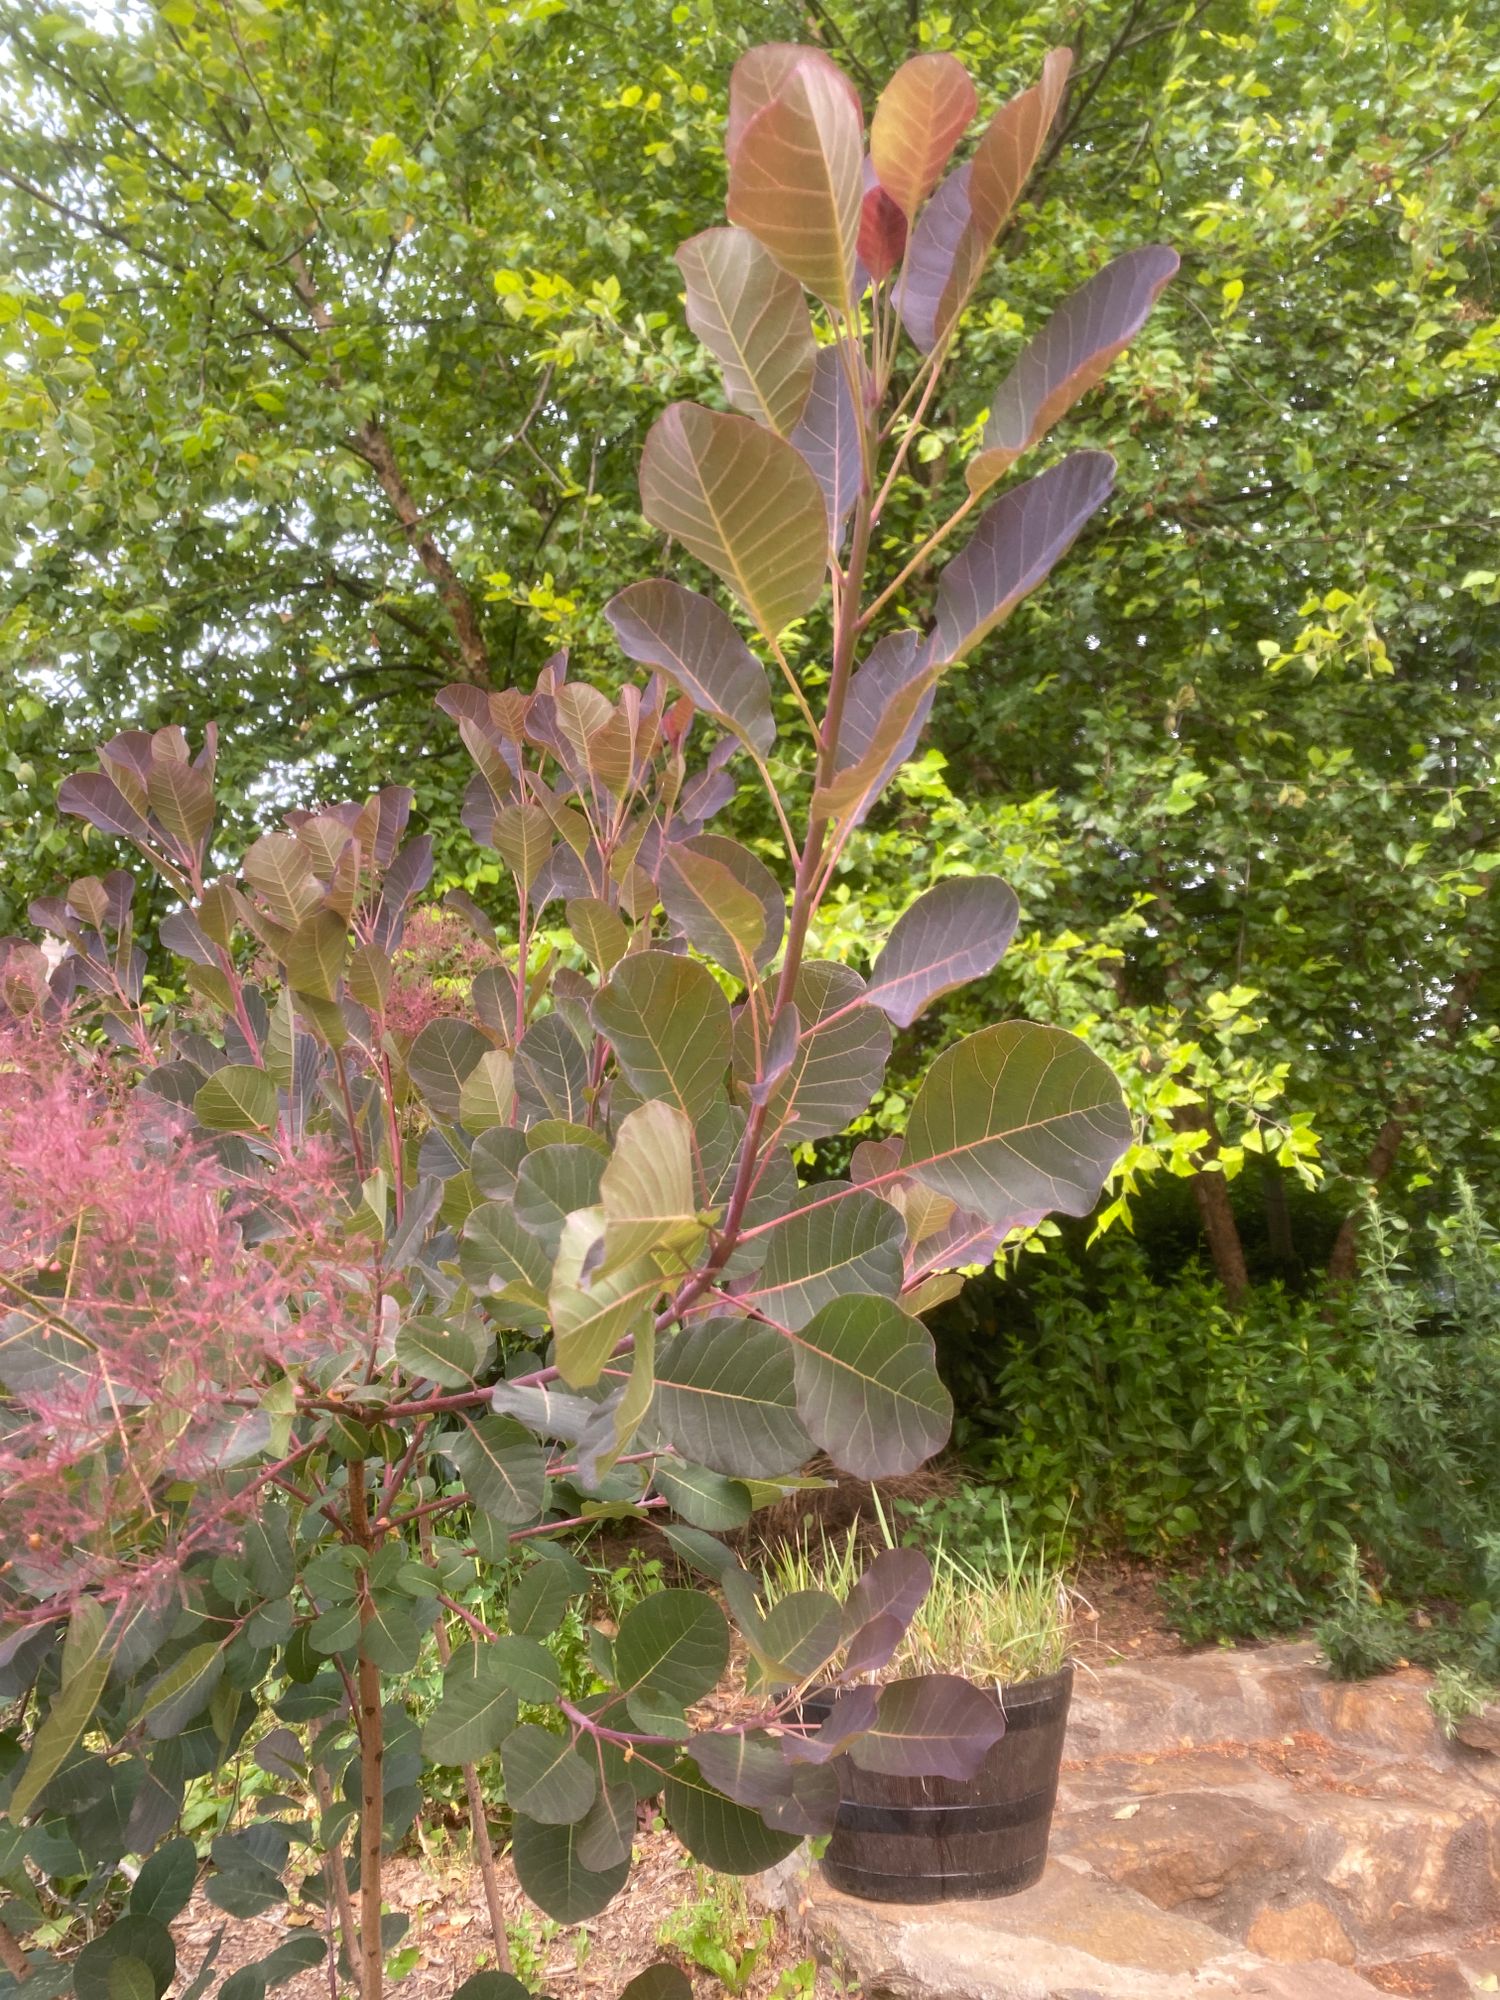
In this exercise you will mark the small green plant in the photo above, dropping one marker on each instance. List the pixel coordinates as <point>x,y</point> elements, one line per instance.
<point>997,1611</point>
<point>717,1932</point>
<point>529,1935</point>
<point>1363,1634</point>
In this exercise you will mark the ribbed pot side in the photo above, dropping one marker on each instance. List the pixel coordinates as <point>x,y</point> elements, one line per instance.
<point>934,1840</point>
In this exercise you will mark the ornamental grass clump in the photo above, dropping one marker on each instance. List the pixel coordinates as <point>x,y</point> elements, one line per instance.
<point>435,1277</point>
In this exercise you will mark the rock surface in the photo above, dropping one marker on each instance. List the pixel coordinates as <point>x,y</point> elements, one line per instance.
<point>1230,1824</point>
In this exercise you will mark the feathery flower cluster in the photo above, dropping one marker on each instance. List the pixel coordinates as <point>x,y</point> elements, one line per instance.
<point>148,1300</point>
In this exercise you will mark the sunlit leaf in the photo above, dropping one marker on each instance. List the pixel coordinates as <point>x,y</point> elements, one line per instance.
<point>1008,148</point>
<point>742,500</point>
<point>236,1098</point>
<point>923,112</point>
<point>796,180</point>
<point>646,1189</point>
<point>753,318</point>
<point>760,73</point>
<point>668,1021</point>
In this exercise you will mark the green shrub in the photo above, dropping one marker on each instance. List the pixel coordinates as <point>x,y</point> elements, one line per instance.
<point>1272,1453</point>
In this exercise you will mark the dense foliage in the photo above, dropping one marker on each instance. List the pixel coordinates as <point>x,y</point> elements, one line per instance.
<point>383,1256</point>
<point>332,333</point>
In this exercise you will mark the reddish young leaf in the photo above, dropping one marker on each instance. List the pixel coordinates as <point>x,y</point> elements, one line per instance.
<point>759,75</point>
<point>923,112</point>
<point>1008,148</point>
<point>882,230</point>
<point>796,180</point>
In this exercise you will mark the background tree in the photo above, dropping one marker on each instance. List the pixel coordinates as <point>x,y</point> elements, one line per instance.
<point>297,297</point>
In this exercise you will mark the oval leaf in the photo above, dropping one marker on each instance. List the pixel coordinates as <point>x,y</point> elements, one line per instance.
<point>1073,351</point>
<point>725,1397</point>
<point>743,501</point>
<point>868,1390</point>
<point>551,1870</point>
<point>956,932</point>
<point>937,1726</point>
<point>923,112</point>
<point>237,1098</point>
<point>1014,547</point>
<point>668,1021</point>
<point>1015,1119</point>
<point>675,1643</point>
<point>693,642</point>
<point>752,317</point>
<point>796,179</point>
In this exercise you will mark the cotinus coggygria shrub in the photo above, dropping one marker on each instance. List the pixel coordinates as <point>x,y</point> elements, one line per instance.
<point>330,1318</point>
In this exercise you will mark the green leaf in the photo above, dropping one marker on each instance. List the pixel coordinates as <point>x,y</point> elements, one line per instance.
<point>442,1055</point>
<point>1017,1120</point>
<point>607,1831</point>
<point>540,1598</point>
<point>450,1352</point>
<point>646,1189</point>
<point>279,867</point>
<point>503,1467</point>
<point>237,1098</point>
<point>591,1319</point>
<point>668,1021</point>
<point>315,955</point>
<point>86,1668</point>
<point>743,501</point>
<point>491,1986</point>
<point>497,1253</point>
<point>753,319</point>
<point>600,930</point>
<point>714,1830</point>
<point>132,1938</point>
<point>659,1982</point>
<point>706,1499</point>
<point>552,1873</point>
<point>868,1390</point>
<point>661,624</point>
<point>840,1058</point>
<point>675,1642</point>
<point>726,1398</point>
<point>165,1884</point>
<point>545,1777</point>
<point>712,908</point>
<point>801,1633</point>
<point>487,1093</point>
<point>852,1242</point>
<point>178,1694</point>
<point>477,1709</point>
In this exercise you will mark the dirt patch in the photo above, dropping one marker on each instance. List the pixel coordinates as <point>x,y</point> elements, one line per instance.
<point>450,1932</point>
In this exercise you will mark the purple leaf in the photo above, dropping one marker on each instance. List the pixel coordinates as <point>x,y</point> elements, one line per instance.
<point>958,931</point>
<point>828,437</point>
<point>853,1712</point>
<point>943,260</point>
<point>890,698</point>
<point>100,801</point>
<point>694,643</point>
<point>1072,352</point>
<point>937,1726</point>
<point>1015,545</point>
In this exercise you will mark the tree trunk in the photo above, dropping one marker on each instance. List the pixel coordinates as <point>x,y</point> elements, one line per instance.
<point>1216,1213</point>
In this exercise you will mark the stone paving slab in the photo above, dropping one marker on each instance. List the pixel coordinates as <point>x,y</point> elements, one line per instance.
<point>1232,1826</point>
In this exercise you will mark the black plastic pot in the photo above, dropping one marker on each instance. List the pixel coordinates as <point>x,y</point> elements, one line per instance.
<point>932,1840</point>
